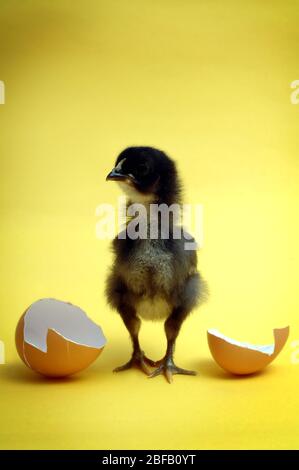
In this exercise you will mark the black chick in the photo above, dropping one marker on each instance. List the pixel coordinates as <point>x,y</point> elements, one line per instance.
<point>152,278</point>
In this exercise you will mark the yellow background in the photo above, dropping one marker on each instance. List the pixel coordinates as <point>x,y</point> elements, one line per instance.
<point>208,82</point>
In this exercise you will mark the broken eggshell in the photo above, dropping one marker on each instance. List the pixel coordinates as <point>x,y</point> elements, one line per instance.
<point>244,358</point>
<point>57,339</point>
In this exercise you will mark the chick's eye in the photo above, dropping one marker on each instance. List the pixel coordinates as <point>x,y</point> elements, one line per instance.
<point>142,169</point>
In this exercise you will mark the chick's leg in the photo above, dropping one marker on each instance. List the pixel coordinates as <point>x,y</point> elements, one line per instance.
<point>138,359</point>
<point>166,365</point>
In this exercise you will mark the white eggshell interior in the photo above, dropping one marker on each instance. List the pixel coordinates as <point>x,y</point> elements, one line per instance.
<point>65,319</point>
<point>266,349</point>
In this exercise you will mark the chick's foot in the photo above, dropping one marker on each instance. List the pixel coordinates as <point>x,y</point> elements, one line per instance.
<point>138,361</point>
<point>167,367</point>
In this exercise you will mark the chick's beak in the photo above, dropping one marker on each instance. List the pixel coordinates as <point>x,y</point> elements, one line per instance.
<point>117,175</point>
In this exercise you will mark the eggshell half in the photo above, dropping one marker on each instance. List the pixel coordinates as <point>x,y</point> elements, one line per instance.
<point>243,358</point>
<point>57,351</point>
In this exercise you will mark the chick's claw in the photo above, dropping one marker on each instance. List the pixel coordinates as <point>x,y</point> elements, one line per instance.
<point>138,361</point>
<point>168,369</point>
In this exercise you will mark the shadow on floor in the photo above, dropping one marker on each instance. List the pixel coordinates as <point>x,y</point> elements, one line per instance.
<point>107,361</point>
<point>208,368</point>
<point>18,372</point>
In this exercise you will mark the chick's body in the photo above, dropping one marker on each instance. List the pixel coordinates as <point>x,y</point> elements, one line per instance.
<point>154,273</point>
<point>152,278</point>
<point>147,271</point>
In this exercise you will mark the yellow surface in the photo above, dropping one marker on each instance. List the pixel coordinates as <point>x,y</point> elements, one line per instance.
<point>209,82</point>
